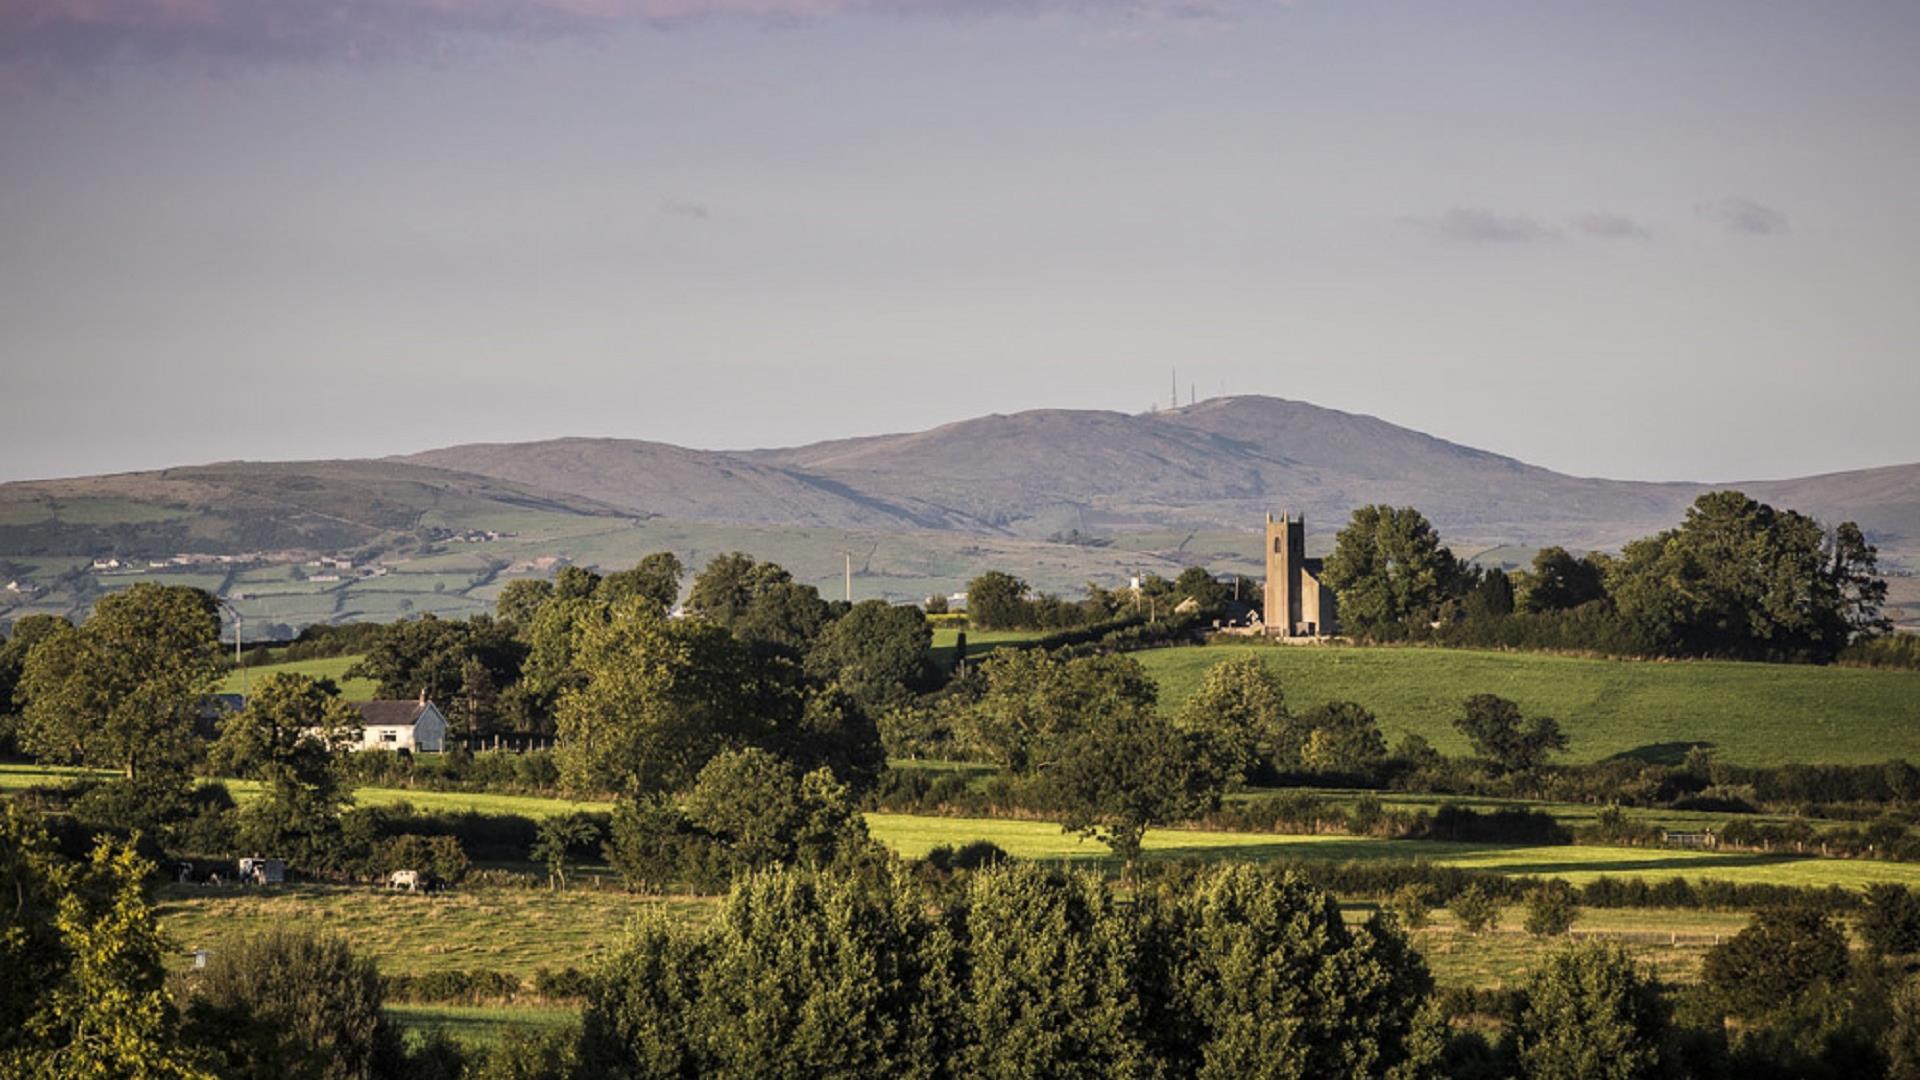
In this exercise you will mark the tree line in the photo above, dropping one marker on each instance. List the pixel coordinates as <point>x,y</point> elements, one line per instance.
<point>1737,578</point>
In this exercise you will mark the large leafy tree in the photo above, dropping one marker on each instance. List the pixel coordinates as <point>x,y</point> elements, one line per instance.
<point>1264,978</point>
<point>877,652</point>
<point>1033,701</point>
<point>655,699</point>
<point>1560,582</point>
<point>1591,1014</point>
<point>1501,735</point>
<point>1389,569</point>
<point>1781,958</point>
<point>287,1004</point>
<point>1133,770</point>
<point>1341,737</point>
<point>1240,711</point>
<point>28,631</point>
<point>997,600</point>
<point>1051,981</point>
<point>84,997</point>
<point>655,578</point>
<point>289,737</point>
<point>1740,578</point>
<point>759,602</point>
<point>124,689</point>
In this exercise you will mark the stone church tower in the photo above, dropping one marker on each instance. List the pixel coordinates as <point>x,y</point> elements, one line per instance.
<point>1297,604</point>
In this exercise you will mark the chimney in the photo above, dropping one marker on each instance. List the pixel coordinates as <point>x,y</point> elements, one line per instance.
<point>423,695</point>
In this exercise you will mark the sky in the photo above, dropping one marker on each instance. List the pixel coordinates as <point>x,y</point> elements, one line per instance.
<point>1636,239</point>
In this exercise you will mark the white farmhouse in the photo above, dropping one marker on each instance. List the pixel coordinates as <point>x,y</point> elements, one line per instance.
<point>402,725</point>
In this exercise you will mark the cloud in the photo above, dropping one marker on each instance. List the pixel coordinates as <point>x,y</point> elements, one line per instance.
<point>1610,226</point>
<point>1743,216</point>
<point>1472,226</point>
<point>241,33</point>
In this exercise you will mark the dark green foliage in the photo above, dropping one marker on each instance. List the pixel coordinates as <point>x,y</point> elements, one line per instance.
<point>525,1053</point>
<point>1197,584</point>
<point>997,601</point>
<point>1342,737</point>
<point>1263,978</point>
<point>1591,1014</point>
<point>464,665</point>
<point>1133,771</point>
<point>1784,956</point>
<point>655,578</point>
<point>1560,582</point>
<point>1390,570</point>
<point>877,652</point>
<point>1475,909</point>
<point>1499,734</point>
<point>759,603</point>
<point>1240,714</point>
<point>1034,701</point>
<point>1902,1041</point>
<point>124,689</point>
<point>291,1005</point>
<point>437,858</point>
<point>563,837</point>
<point>1890,920</point>
<point>28,631</point>
<point>1551,910</point>
<point>1051,987</point>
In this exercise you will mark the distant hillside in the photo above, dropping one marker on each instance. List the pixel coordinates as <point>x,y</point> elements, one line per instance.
<point>1217,465</point>
<point>1059,496</point>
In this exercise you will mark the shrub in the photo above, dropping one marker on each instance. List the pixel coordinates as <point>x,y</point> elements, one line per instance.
<point>1412,904</point>
<point>1590,1014</point>
<point>1551,910</point>
<point>290,1005</point>
<point>1890,920</point>
<point>1783,955</point>
<point>1475,910</point>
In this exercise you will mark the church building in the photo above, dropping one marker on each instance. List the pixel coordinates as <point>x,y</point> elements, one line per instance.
<point>1297,604</point>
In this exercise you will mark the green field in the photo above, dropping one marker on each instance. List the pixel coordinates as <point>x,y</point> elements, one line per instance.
<point>1754,714</point>
<point>331,667</point>
<point>479,1025</point>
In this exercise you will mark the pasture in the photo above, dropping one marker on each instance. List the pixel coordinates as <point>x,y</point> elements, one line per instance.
<point>329,667</point>
<point>1748,713</point>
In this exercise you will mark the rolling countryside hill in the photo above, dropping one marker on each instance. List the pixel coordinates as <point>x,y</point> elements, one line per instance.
<point>1059,496</point>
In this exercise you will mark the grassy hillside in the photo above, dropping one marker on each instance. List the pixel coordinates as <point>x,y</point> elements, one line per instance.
<point>1758,714</point>
<point>332,667</point>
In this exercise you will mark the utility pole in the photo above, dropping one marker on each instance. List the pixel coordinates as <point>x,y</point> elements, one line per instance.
<point>849,556</point>
<point>237,620</point>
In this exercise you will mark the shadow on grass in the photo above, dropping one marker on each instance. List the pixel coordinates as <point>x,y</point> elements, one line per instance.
<point>1665,753</point>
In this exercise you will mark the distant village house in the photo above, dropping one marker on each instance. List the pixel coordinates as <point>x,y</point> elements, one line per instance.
<point>402,725</point>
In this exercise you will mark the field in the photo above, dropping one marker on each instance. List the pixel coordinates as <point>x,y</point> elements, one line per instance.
<point>1755,714</point>
<point>331,667</point>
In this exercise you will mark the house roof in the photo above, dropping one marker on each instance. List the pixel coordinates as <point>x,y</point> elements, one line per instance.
<point>404,712</point>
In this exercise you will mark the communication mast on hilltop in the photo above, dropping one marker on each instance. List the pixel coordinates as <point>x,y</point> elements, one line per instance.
<point>1175,399</point>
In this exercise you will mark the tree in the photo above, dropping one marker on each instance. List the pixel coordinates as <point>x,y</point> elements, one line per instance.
<point>1240,712</point>
<point>1050,988</point>
<point>1561,582</point>
<point>1491,596</point>
<point>655,578</point>
<point>1498,733</point>
<point>84,995</point>
<point>763,812</point>
<point>289,737</point>
<point>1739,578</point>
<point>1133,771</point>
<point>288,1004</point>
<point>1262,977</point>
<point>1783,955</point>
<point>125,688</point>
<point>464,664</point>
<point>1591,1014</point>
<point>1890,920</point>
<point>799,975</point>
<point>1342,737</point>
<point>1551,909</point>
<point>1032,701</point>
<point>520,601</point>
<point>28,631</point>
<point>1389,570</point>
<point>1197,584</point>
<point>556,838</point>
<point>877,652</point>
<point>656,699</point>
<point>758,602</point>
<point>1902,1041</point>
<point>1475,909</point>
<point>997,601</point>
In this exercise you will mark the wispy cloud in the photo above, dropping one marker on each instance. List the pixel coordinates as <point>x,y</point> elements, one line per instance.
<point>1743,216</point>
<point>1468,225</point>
<point>1610,226</point>
<point>241,33</point>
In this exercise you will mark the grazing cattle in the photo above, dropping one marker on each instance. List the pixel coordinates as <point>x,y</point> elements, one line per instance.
<point>404,879</point>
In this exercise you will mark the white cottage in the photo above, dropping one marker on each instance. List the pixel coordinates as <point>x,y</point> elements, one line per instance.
<point>402,725</point>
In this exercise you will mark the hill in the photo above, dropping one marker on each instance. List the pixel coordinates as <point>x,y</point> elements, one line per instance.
<point>1750,714</point>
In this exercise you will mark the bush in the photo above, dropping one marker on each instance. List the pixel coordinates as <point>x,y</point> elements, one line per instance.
<point>1551,910</point>
<point>1475,910</point>
<point>290,1005</point>
<point>1590,1014</point>
<point>1890,920</point>
<point>1412,904</point>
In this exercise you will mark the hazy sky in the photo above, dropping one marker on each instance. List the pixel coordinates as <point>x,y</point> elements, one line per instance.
<point>1635,239</point>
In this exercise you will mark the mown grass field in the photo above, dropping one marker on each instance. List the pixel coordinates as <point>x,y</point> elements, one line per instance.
<point>1757,714</point>
<point>479,1025</point>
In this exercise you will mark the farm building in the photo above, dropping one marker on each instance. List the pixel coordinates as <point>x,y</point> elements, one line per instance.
<point>402,725</point>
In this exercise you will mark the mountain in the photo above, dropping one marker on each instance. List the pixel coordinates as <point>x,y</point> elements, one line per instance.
<point>1217,465</point>
<point>1059,496</point>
